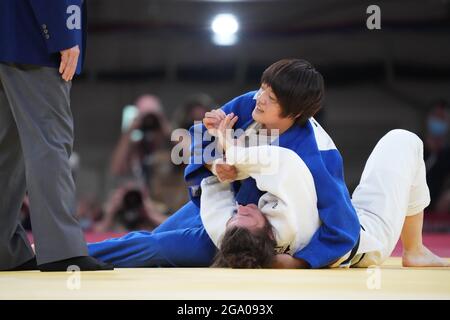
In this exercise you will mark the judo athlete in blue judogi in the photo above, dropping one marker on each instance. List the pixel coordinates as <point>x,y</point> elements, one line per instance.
<point>290,94</point>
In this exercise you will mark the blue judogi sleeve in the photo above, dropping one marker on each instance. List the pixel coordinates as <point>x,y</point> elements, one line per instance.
<point>340,228</point>
<point>202,144</point>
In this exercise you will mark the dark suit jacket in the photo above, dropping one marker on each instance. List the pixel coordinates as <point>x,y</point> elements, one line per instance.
<point>34,31</point>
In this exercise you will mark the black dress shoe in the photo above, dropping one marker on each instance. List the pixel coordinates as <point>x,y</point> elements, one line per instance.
<point>29,265</point>
<point>84,263</point>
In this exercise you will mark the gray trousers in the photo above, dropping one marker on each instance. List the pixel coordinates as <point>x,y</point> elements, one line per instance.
<point>36,138</point>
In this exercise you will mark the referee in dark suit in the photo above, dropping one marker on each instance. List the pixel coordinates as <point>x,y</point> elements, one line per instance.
<point>41,48</point>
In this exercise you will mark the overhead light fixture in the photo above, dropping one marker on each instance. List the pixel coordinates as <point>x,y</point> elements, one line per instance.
<point>225,27</point>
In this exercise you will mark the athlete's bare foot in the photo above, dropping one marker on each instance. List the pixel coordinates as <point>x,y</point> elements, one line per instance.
<point>422,257</point>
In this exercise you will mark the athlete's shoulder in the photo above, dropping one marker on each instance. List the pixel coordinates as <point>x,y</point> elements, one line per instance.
<point>323,139</point>
<point>315,147</point>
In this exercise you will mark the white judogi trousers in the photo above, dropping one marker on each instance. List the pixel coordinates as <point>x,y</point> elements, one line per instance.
<point>393,185</point>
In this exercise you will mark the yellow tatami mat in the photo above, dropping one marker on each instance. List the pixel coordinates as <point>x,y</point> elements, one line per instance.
<point>390,281</point>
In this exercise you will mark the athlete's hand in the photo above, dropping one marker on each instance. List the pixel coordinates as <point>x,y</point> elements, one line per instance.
<point>212,120</point>
<point>225,172</point>
<point>225,132</point>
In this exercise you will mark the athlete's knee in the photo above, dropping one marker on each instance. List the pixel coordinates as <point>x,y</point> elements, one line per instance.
<point>405,137</point>
<point>402,133</point>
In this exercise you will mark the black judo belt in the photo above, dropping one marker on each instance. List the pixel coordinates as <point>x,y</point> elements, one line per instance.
<point>354,251</point>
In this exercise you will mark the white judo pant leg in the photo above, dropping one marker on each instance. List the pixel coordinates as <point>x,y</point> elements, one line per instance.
<point>393,186</point>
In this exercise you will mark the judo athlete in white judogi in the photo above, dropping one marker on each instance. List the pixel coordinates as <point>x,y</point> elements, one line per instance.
<point>390,198</point>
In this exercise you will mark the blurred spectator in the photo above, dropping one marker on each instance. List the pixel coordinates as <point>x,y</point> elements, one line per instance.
<point>89,213</point>
<point>193,109</point>
<point>130,208</point>
<point>140,143</point>
<point>168,186</point>
<point>437,157</point>
<point>143,154</point>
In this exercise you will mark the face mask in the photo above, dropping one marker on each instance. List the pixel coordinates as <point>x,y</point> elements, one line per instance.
<point>437,128</point>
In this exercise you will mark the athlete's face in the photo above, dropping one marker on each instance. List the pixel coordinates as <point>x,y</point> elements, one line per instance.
<point>249,217</point>
<point>268,110</point>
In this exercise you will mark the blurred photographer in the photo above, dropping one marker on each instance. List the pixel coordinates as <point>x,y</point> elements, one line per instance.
<point>193,109</point>
<point>89,213</point>
<point>145,136</point>
<point>130,208</point>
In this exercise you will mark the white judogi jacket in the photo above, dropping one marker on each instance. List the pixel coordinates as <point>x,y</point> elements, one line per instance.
<point>290,203</point>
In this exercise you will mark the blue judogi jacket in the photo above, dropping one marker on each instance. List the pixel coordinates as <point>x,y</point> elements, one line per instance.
<point>340,228</point>
<point>35,31</point>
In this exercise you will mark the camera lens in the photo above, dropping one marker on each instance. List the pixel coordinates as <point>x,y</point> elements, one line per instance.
<point>132,200</point>
<point>150,122</point>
